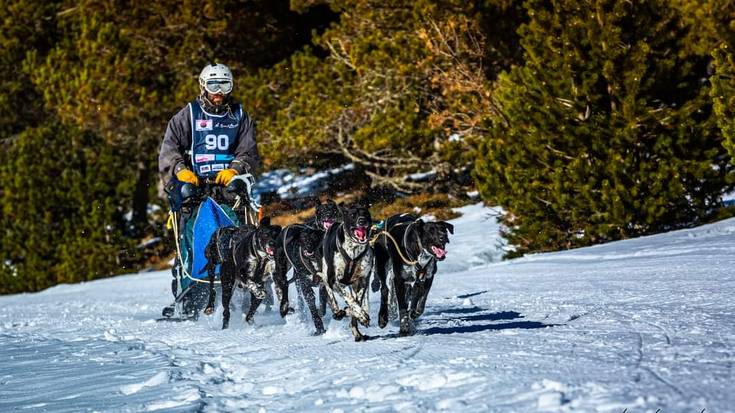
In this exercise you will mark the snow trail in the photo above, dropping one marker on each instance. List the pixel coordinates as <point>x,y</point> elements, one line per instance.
<point>642,324</point>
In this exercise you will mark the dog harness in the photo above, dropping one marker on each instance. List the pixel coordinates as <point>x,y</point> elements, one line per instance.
<point>420,270</point>
<point>350,263</point>
<point>314,272</point>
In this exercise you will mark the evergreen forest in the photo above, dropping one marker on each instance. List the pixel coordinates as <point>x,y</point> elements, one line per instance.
<point>588,121</point>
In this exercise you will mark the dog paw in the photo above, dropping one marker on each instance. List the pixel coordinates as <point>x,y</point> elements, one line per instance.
<point>286,310</point>
<point>338,315</point>
<point>361,337</point>
<point>209,310</point>
<point>250,320</point>
<point>406,328</point>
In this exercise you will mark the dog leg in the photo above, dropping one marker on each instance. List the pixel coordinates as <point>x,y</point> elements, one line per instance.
<point>257,290</point>
<point>209,309</point>
<point>210,253</point>
<point>405,320</point>
<point>254,303</point>
<point>355,331</point>
<point>337,313</point>
<point>280,279</point>
<point>381,269</point>
<point>355,310</point>
<point>308,295</point>
<point>419,298</point>
<point>282,294</point>
<point>322,299</point>
<point>361,294</point>
<point>228,283</point>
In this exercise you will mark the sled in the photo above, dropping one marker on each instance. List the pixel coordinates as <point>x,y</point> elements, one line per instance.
<point>196,213</point>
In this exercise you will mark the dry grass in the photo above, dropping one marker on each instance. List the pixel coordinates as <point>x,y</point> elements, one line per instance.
<point>438,205</point>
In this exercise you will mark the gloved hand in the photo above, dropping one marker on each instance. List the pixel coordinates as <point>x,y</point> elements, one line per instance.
<point>225,176</point>
<point>186,175</point>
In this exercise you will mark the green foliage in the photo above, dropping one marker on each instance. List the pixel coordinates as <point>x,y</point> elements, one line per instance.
<point>723,95</point>
<point>399,78</point>
<point>60,216</point>
<point>25,26</point>
<point>606,132</point>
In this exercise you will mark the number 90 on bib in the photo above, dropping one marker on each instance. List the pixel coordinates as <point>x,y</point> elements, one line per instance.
<point>220,142</point>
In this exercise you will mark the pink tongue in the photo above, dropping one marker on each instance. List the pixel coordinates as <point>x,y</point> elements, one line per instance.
<point>360,233</point>
<point>327,224</point>
<point>438,252</point>
<point>269,250</point>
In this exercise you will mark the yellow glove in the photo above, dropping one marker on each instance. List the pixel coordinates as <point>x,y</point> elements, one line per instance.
<point>188,176</point>
<point>225,176</point>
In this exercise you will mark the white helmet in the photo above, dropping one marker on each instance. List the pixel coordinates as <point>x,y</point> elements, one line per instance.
<point>216,78</point>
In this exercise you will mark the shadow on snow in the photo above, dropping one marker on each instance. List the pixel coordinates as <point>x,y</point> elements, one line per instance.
<point>467,320</point>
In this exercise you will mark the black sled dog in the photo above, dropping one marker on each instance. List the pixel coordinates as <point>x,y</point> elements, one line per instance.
<point>246,254</point>
<point>300,248</point>
<point>347,263</point>
<point>409,248</point>
<point>326,214</point>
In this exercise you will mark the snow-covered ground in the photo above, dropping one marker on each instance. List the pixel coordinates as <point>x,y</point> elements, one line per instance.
<point>642,325</point>
<point>288,184</point>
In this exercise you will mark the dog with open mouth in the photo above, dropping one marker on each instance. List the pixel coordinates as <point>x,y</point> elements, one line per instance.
<point>325,215</point>
<point>409,252</point>
<point>348,262</point>
<point>246,254</point>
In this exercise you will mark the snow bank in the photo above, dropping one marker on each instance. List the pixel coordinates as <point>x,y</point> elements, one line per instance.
<point>642,325</point>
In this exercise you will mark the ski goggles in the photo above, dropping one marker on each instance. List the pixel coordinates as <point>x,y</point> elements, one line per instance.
<point>223,86</point>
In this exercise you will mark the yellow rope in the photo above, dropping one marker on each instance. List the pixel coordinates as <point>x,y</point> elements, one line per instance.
<point>405,260</point>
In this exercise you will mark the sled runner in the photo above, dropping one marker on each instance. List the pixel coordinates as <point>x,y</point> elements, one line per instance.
<point>196,213</point>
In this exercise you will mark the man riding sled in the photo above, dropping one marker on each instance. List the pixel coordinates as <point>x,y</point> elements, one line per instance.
<point>207,159</point>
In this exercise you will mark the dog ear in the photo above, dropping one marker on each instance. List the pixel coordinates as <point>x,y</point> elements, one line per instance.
<point>265,221</point>
<point>448,226</point>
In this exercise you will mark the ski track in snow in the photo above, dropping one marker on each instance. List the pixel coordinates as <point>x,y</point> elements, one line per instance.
<point>642,324</point>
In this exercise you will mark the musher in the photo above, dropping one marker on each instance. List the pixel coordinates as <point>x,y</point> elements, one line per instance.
<point>207,143</point>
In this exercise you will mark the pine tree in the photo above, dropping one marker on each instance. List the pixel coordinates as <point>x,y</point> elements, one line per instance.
<point>398,80</point>
<point>606,131</point>
<point>723,94</point>
<point>61,221</point>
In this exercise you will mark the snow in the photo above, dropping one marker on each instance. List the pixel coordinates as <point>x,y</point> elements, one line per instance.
<point>642,324</point>
<point>288,184</point>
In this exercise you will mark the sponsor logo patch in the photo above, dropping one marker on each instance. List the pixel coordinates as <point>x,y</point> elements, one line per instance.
<point>204,124</point>
<point>204,169</point>
<point>226,125</point>
<point>218,167</point>
<point>204,158</point>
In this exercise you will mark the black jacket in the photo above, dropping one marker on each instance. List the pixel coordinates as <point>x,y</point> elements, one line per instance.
<point>176,143</point>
